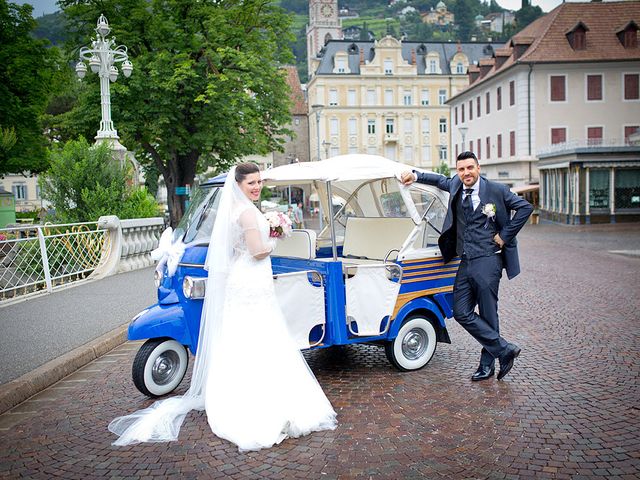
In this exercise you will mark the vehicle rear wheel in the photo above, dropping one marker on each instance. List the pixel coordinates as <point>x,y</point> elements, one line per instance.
<point>414,346</point>
<point>159,366</point>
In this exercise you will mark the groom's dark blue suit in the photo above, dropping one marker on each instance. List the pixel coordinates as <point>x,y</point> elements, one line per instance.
<point>470,236</point>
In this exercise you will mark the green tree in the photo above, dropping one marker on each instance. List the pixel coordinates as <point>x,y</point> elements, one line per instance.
<point>443,169</point>
<point>527,14</point>
<point>85,182</point>
<point>206,88</point>
<point>465,12</point>
<point>27,74</point>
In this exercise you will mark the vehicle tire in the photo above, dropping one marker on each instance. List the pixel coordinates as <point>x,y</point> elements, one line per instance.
<point>414,346</point>
<point>159,366</point>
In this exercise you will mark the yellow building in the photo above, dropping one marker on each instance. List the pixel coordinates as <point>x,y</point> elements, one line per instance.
<point>440,16</point>
<point>387,98</point>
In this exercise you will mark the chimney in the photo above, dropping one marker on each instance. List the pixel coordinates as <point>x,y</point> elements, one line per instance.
<point>413,56</point>
<point>362,56</point>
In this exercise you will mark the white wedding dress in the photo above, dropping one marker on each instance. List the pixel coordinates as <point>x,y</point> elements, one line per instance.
<point>259,389</point>
<point>249,375</point>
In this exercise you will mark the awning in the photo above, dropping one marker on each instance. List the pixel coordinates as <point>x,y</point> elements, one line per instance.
<point>525,188</point>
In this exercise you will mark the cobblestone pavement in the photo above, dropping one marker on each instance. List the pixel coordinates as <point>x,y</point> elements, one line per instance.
<point>569,408</point>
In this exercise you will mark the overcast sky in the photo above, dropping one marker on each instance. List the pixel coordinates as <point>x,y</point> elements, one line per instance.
<point>545,5</point>
<point>42,7</point>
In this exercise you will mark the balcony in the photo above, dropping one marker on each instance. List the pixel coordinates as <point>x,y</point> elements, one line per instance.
<point>390,138</point>
<point>590,145</point>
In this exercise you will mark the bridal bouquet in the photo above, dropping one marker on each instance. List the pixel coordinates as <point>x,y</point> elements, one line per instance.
<point>279,224</point>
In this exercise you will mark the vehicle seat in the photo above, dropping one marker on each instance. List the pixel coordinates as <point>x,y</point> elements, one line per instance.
<point>373,238</point>
<point>301,244</point>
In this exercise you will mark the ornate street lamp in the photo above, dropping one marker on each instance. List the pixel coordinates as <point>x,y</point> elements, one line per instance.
<point>317,108</point>
<point>102,57</point>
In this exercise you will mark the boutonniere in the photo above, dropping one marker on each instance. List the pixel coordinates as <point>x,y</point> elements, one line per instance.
<point>489,210</point>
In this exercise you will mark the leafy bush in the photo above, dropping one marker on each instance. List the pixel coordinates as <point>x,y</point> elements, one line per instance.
<point>85,182</point>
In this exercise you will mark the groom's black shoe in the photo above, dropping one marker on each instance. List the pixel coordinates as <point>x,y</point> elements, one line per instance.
<point>506,361</point>
<point>483,372</point>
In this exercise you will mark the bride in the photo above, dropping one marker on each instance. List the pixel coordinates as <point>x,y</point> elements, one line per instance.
<point>249,376</point>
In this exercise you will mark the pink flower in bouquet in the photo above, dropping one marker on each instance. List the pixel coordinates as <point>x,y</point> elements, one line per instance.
<point>279,224</point>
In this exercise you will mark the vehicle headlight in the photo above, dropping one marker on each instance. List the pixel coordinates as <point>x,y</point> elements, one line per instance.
<point>194,287</point>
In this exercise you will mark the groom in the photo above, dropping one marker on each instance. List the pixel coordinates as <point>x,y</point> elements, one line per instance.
<point>481,230</point>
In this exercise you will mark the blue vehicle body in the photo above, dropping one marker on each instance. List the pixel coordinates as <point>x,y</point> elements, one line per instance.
<point>424,298</point>
<point>178,317</point>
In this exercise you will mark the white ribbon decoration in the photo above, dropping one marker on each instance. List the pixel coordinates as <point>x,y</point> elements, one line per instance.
<point>168,253</point>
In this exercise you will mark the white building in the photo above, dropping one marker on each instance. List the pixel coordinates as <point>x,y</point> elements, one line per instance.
<point>557,106</point>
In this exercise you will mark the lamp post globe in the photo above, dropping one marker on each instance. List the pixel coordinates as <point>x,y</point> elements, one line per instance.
<point>102,56</point>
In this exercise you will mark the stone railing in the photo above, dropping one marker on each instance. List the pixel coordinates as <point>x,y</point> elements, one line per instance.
<point>132,242</point>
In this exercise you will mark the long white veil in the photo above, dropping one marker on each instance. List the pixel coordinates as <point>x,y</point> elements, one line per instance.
<point>161,421</point>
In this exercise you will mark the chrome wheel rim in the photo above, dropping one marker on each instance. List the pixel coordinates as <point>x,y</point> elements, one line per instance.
<point>414,343</point>
<point>165,367</point>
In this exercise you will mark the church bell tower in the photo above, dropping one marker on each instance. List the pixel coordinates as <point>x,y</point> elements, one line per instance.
<point>324,25</point>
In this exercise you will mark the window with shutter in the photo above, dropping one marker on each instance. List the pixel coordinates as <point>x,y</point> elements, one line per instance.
<point>631,91</point>
<point>488,103</point>
<point>470,109</point>
<point>594,87</point>
<point>488,147</point>
<point>455,116</point>
<point>512,92</point>
<point>557,86</point>
<point>558,135</point>
<point>628,131</point>
<point>479,152</point>
<point>512,143</point>
<point>594,135</point>
<point>499,98</point>
<point>462,113</point>
<point>478,107</point>
<point>499,145</point>
<point>630,38</point>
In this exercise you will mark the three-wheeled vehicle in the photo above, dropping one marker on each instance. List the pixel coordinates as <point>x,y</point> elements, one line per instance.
<point>368,270</point>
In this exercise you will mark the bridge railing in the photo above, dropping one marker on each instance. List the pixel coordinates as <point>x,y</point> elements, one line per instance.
<point>41,258</point>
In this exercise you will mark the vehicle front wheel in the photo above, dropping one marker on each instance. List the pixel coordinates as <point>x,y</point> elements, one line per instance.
<point>414,346</point>
<point>159,366</point>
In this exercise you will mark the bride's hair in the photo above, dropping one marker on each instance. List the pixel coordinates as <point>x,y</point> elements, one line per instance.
<point>245,168</point>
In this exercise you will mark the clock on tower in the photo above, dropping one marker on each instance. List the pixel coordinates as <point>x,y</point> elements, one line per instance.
<point>326,10</point>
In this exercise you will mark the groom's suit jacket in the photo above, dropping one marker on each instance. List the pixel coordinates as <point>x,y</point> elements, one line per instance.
<point>490,192</point>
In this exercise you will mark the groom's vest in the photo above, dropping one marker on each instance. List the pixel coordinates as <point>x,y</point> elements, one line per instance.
<point>473,239</point>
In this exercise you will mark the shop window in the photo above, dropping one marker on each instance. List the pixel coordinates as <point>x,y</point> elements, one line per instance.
<point>627,188</point>
<point>599,189</point>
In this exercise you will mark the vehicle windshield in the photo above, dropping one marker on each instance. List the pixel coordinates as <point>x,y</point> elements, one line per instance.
<point>197,223</point>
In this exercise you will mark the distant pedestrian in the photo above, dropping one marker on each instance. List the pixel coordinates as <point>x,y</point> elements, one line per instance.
<point>298,216</point>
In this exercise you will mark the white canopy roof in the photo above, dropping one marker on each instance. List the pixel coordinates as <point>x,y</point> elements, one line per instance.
<point>336,169</point>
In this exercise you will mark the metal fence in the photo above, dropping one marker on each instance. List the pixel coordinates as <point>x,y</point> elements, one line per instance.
<point>34,258</point>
